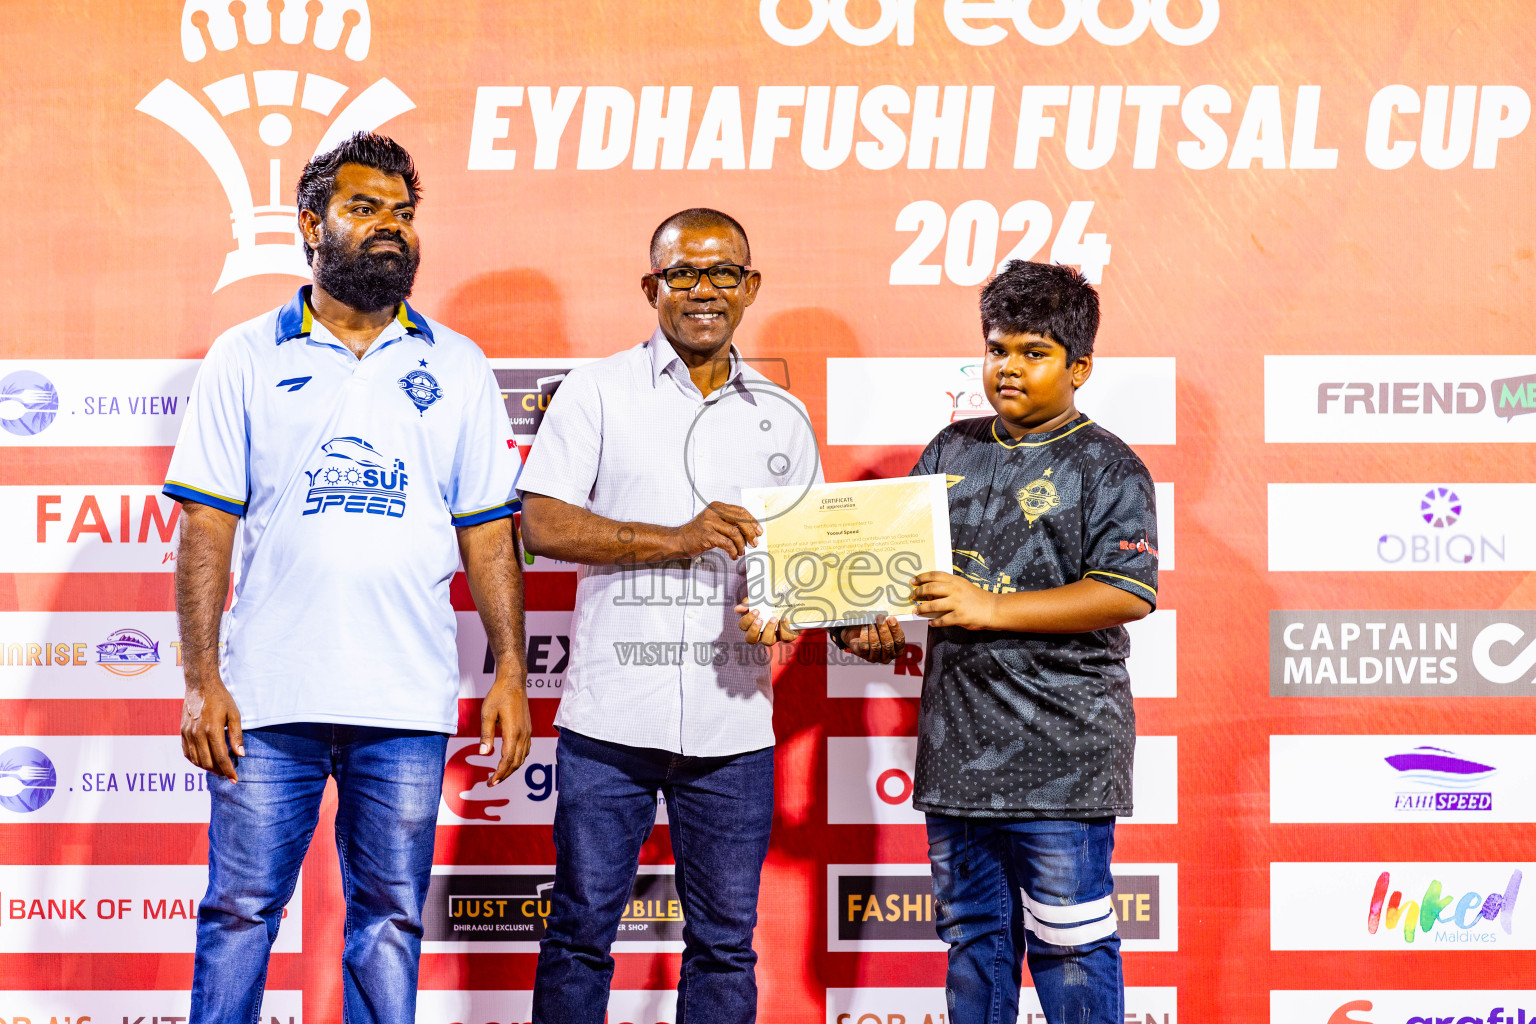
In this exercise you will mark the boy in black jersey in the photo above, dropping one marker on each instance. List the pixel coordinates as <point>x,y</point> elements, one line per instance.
<point>1026,728</point>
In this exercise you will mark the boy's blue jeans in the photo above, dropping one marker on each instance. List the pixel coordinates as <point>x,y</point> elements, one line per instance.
<point>388,782</point>
<point>720,813</point>
<point>998,885</point>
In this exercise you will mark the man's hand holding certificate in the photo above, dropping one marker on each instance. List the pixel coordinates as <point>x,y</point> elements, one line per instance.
<point>844,554</point>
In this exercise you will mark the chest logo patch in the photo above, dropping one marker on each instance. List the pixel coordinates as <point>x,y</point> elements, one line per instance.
<point>421,388</point>
<point>1038,498</point>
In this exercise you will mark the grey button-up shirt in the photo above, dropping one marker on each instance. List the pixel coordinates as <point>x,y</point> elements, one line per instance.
<point>657,657</point>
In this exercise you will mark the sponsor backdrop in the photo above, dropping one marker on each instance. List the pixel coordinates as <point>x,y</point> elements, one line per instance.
<point>1312,228</point>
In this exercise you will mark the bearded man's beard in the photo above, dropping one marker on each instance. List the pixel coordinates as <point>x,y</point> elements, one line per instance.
<point>365,279</point>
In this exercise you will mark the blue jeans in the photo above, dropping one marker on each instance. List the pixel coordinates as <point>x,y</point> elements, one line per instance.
<point>388,782</point>
<point>993,882</point>
<point>720,811</point>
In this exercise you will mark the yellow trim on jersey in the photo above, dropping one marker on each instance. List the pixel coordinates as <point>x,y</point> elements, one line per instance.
<point>1034,444</point>
<point>973,555</point>
<point>1115,575</point>
<point>211,494</point>
<point>478,511</point>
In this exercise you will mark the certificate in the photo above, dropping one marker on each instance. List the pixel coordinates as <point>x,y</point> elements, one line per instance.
<point>839,554</point>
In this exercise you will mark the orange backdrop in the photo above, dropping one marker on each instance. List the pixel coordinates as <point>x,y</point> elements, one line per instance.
<point>119,230</point>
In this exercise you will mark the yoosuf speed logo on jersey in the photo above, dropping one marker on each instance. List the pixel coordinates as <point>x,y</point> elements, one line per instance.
<point>421,388</point>
<point>128,652</point>
<point>351,478</point>
<point>1038,498</point>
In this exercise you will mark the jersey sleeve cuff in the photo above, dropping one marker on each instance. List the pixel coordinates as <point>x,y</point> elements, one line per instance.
<point>1126,583</point>
<point>183,492</point>
<point>485,515</point>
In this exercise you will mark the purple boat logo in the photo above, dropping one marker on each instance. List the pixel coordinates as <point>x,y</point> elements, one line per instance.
<point>1442,768</point>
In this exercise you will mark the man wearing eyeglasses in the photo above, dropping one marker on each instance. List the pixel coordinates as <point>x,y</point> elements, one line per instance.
<point>636,474</point>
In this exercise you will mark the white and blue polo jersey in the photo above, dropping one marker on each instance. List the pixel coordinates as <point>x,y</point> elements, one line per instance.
<point>350,476</point>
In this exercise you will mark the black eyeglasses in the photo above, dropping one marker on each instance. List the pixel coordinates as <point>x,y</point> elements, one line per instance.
<point>724,275</point>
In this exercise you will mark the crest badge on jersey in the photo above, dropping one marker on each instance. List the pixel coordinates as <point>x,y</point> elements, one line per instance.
<point>421,388</point>
<point>1038,498</point>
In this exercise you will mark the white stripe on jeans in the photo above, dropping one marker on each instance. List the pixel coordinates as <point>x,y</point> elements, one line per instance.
<point>1051,914</point>
<point>1075,936</point>
<point>1097,919</point>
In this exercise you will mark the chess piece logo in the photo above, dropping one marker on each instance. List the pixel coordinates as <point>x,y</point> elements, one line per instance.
<point>281,31</point>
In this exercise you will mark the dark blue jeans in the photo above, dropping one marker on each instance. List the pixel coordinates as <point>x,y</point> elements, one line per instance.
<point>998,885</point>
<point>388,782</point>
<point>720,812</point>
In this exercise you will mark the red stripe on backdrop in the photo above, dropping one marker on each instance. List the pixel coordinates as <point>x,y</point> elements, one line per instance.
<point>129,591</point>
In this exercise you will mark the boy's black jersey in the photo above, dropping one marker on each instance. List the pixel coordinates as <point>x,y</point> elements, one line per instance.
<point>1035,725</point>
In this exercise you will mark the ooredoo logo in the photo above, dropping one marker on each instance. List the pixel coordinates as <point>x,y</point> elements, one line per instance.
<point>275,96</point>
<point>28,403</point>
<point>894,786</point>
<point>27,779</point>
<point>983,24</point>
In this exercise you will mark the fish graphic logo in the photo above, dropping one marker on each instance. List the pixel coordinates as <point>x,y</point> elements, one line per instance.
<point>28,403</point>
<point>27,779</point>
<point>128,652</point>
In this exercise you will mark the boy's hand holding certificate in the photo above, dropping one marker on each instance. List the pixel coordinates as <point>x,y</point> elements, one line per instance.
<point>841,554</point>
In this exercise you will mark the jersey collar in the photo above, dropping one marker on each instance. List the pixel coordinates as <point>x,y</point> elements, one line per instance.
<point>297,320</point>
<point>1003,438</point>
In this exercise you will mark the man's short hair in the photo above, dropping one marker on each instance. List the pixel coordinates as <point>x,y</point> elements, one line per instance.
<point>1046,299</point>
<point>697,217</point>
<point>317,185</point>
